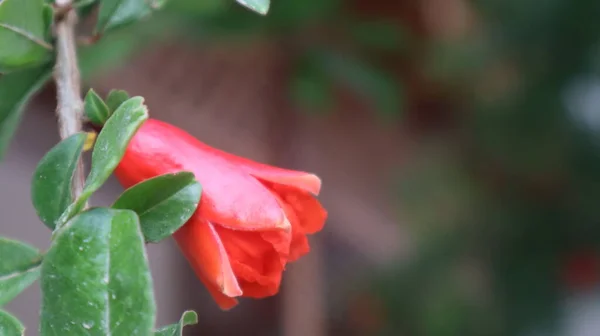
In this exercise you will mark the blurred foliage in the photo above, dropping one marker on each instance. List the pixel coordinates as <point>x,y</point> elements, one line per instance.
<point>510,189</point>
<point>327,45</point>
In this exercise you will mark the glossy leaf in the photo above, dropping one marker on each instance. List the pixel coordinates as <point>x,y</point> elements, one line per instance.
<point>115,13</point>
<point>163,203</point>
<point>259,6</point>
<point>10,325</point>
<point>95,108</point>
<point>189,317</point>
<point>19,268</point>
<point>113,140</point>
<point>23,28</point>
<point>52,179</point>
<point>115,98</point>
<point>95,277</point>
<point>15,90</point>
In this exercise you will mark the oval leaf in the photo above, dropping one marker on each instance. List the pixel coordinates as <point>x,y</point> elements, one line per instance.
<point>115,98</point>
<point>15,90</point>
<point>19,268</point>
<point>163,203</point>
<point>112,142</point>
<point>189,317</point>
<point>22,34</point>
<point>95,108</point>
<point>95,277</point>
<point>52,179</point>
<point>259,6</point>
<point>10,325</point>
<point>115,13</point>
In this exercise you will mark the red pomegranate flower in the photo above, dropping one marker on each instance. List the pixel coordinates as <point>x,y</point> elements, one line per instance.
<point>252,218</point>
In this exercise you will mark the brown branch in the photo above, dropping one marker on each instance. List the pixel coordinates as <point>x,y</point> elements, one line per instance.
<point>68,84</point>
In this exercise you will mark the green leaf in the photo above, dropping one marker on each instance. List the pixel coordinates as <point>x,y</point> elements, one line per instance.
<point>115,13</point>
<point>378,35</point>
<point>189,317</point>
<point>95,108</point>
<point>15,90</point>
<point>23,28</point>
<point>52,179</point>
<point>163,203</point>
<point>48,20</point>
<point>109,150</point>
<point>19,268</point>
<point>10,325</point>
<point>95,277</point>
<point>310,88</point>
<point>115,98</point>
<point>259,6</point>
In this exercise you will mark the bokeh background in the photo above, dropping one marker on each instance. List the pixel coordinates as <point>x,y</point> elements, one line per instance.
<point>457,141</point>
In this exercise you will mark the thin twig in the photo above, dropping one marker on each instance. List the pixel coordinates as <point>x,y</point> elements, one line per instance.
<point>68,84</point>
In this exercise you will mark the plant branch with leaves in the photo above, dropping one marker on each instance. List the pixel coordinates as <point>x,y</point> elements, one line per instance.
<point>95,277</point>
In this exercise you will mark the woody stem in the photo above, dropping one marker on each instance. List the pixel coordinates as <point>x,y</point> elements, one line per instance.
<point>68,85</point>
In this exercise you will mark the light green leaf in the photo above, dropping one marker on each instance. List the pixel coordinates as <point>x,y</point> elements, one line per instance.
<point>95,108</point>
<point>163,203</point>
<point>116,13</point>
<point>51,183</point>
<point>115,98</point>
<point>259,6</point>
<point>109,150</point>
<point>95,277</point>
<point>15,90</point>
<point>23,28</point>
<point>189,317</point>
<point>10,325</point>
<point>19,268</point>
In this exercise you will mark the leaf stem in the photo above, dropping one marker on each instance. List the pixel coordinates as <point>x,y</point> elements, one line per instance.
<point>68,85</point>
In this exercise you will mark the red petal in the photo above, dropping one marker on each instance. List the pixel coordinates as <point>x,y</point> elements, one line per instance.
<point>307,209</point>
<point>230,195</point>
<point>225,302</point>
<point>204,250</point>
<point>256,261</point>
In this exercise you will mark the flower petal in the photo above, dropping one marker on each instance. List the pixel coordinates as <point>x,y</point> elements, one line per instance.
<point>306,208</point>
<point>204,250</point>
<point>230,196</point>
<point>225,302</point>
<point>256,261</point>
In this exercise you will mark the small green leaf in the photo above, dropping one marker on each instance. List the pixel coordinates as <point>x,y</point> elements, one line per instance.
<point>115,13</point>
<point>95,108</point>
<point>48,20</point>
<point>23,28</point>
<point>189,317</point>
<point>19,268</point>
<point>163,203</point>
<point>10,325</point>
<point>113,140</point>
<point>259,6</point>
<point>115,98</point>
<point>310,88</point>
<point>51,183</point>
<point>95,277</point>
<point>15,90</point>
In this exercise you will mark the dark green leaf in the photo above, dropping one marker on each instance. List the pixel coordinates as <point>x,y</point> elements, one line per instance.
<point>115,98</point>
<point>378,35</point>
<point>15,91</point>
<point>95,108</point>
<point>310,88</point>
<point>115,13</point>
<point>95,277</point>
<point>48,20</point>
<point>10,325</point>
<point>163,203</point>
<point>23,28</point>
<point>19,268</point>
<point>259,6</point>
<point>189,317</point>
<point>51,184</point>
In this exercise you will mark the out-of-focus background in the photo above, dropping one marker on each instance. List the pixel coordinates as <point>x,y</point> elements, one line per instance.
<point>457,141</point>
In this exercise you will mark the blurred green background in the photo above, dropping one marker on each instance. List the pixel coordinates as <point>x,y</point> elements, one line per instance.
<point>501,195</point>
